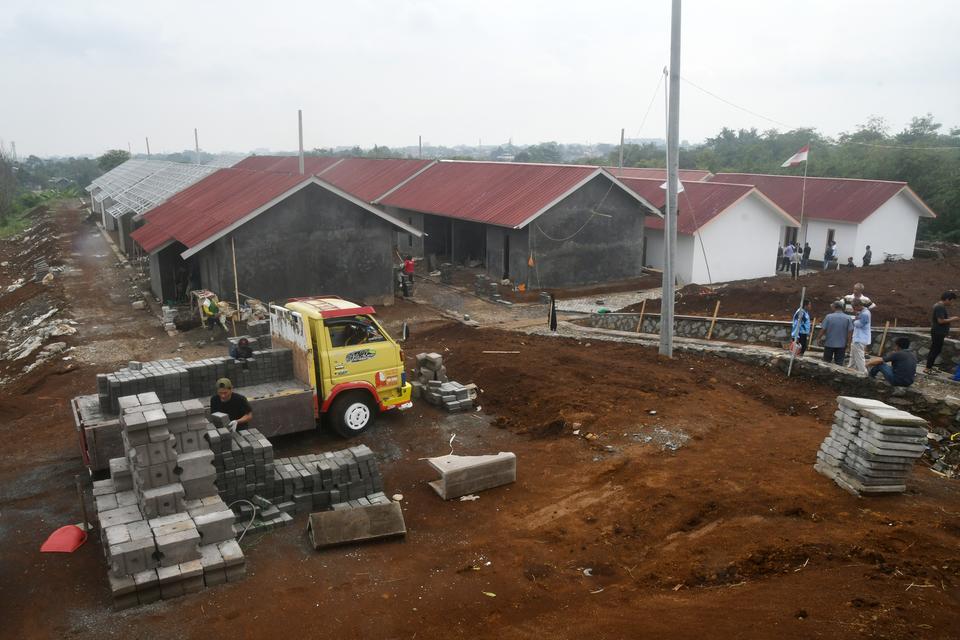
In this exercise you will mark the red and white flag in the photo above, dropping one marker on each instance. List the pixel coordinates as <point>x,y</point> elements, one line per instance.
<point>798,157</point>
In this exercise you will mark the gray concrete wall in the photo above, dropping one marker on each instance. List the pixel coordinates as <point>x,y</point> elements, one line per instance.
<point>585,250</point>
<point>163,267</point>
<point>469,240</point>
<point>765,332</point>
<point>517,270</point>
<point>124,228</point>
<point>407,243</point>
<point>312,243</point>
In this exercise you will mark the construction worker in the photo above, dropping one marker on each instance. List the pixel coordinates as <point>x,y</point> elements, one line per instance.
<point>899,367</point>
<point>233,404</point>
<point>862,336</point>
<point>835,330</point>
<point>801,327</point>
<point>940,327</point>
<point>857,294</point>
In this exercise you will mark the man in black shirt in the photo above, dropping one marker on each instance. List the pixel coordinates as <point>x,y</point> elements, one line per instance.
<point>940,327</point>
<point>867,257</point>
<point>899,367</point>
<point>233,404</point>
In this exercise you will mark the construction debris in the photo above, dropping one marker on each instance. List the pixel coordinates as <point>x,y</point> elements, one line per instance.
<point>466,475</point>
<point>433,385</point>
<point>871,447</point>
<point>360,523</point>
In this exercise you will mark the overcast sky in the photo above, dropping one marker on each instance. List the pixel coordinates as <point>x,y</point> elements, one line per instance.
<point>82,77</point>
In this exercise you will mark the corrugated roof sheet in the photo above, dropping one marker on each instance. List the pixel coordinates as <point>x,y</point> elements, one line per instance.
<point>840,199</point>
<point>498,193</point>
<point>699,202</point>
<point>657,174</point>
<point>370,178</point>
<point>211,205</point>
<point>286,164</point>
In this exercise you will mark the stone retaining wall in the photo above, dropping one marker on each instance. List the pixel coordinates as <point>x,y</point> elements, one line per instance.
<point>774,333</point>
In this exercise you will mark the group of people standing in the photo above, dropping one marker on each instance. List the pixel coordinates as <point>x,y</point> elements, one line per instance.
<point>792,258</point>
<point>850,323</point>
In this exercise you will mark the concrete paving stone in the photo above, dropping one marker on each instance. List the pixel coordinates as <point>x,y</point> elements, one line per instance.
<point>891,429</point>
<point>120,515</point>
<point>462,475</point>
<point>236,572</point>
<point>215,527</point>
<point>145,579</point>
<point>231,552</point>
<point>102,487</point>
<point>167,575</point>
<point>133,421</point>
<point>895,448</point>
<point>155,418</point>
<point>861,404</point>
<point>106,502</point>
<point>122,585</point>
<point>891,416</point>
<point>883,454</point>
<point>193,407</point>
<point>178,547</point>
<point>880,436</point>
<point>127,402</point>
<point>148,398</point>
<point>357,524</point>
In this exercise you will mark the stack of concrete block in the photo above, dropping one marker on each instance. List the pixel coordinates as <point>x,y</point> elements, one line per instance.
<point>243,461</point>
<point>464,475</point>
<point>319,481</point>
<point>174,380</point>
<point>433,385</point>
<point>871,447</point>
<point>168,318</point>
<point>264,515</point>
<point>259,329</point>
<point>159,511</point>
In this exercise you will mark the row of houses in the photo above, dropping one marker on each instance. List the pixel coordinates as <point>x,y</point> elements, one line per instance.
<point>264,228</point>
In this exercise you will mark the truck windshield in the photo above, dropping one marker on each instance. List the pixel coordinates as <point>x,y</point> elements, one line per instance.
<point>346,332</point>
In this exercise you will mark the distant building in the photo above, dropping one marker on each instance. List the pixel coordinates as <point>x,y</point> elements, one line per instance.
<point>853,212</point>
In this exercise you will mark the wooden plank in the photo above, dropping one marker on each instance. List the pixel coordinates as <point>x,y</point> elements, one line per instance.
<point>716,310</point>
<point>643,308</point>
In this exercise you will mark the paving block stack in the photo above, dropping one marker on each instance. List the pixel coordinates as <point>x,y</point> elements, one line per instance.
<point>166,532</point>
<point>247,470</point>
<point>168,318</point>
<point>871,447</point>
<point>259,329</point>
<point>175,380</point>
<point>433,385</point>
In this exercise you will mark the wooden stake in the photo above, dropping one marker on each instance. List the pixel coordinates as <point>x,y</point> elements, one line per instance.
<point>643,308</point>
<point>716,309</point>
<point>236,287</point>
<point>883,338</point>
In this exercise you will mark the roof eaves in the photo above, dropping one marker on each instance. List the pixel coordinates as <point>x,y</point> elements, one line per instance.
<point>783,212</point>
<point>910,193</point>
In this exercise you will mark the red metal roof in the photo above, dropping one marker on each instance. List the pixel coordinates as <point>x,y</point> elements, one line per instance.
<point>507,194</point>
<point>211,205</point>
<point>286,164</point>
<point>839,199</point>
<point>657,174</point>
<point>370,178</point>
<point>699,202</point>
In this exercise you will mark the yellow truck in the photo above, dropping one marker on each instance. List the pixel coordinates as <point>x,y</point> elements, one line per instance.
<point>352,364</point>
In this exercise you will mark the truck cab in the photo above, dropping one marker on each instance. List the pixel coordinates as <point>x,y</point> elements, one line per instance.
<point>353,365</point>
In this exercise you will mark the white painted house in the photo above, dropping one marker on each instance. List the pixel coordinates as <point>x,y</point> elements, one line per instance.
<point>725,232</point>
<point>854,212</point>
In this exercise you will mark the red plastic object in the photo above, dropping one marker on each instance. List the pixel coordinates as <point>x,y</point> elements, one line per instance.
<point>65,540</point>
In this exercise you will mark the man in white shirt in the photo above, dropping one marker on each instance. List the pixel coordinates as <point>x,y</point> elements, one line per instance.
<point>862,337</point>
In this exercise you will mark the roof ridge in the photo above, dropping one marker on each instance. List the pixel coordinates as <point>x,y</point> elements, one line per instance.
<point>529,164</point>
<point>779,175</point>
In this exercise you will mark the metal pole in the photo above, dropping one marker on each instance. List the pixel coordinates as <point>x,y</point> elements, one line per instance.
<point>300,125</point>
<point>196,144</point>
<point>673,181</point>
<point>419,146</point>
<point>803,195</point>
<point>83,504</point>
<point>148,146</point>
<point>236,285</point>
<point>620,164</point>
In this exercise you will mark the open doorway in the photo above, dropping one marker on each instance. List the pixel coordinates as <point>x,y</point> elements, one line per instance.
<point>506,255</point>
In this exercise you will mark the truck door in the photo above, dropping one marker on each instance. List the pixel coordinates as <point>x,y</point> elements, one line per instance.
<point>361,352</point>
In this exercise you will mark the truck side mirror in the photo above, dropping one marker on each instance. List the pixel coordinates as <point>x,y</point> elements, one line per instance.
<point>404,332</point>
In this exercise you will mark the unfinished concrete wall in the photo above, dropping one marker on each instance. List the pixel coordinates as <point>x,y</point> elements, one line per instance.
<point>513,263</point>
<point>312,243</point>
<point>407,243</point>
<point>594,235</point>
<point>165,267</point>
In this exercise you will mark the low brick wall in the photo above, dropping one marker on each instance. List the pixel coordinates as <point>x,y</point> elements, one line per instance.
<point>766,332</point>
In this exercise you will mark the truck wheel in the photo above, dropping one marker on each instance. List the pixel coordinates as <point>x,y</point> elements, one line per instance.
<point>352,413</point>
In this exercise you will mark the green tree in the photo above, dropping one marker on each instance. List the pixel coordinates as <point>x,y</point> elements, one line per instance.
<point>112,159</point>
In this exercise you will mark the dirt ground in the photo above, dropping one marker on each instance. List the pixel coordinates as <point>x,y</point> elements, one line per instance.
<point>904,292</point>
<point>685,506</point>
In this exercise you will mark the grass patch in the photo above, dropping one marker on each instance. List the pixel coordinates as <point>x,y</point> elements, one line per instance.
<point>14,224</point>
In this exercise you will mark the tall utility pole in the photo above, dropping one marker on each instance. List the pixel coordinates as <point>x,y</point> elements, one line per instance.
<point>148,146</point>
<point>673,181</point>
<point>300,128</point>
<point>196,144</point>
<point>419,146</point>
<point>620,165</point>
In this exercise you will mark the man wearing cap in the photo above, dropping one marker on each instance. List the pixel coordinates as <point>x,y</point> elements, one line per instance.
<point>233,404</point>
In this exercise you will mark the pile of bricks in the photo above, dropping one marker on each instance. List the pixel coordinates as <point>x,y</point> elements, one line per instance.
<point>433,385</point>
<point>259,328</point>
<point>486,287</point>
<point>168,318</point>
<point>871,447</point>
<point>175,379</point>
<point>247,470</point>
<point>166,532</point>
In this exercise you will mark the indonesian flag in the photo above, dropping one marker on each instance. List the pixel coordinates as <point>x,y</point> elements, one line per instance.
<point>798,157</point>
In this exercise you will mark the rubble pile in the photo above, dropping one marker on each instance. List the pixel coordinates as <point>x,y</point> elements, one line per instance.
<point>433,385</point>
<point>871,447</point>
